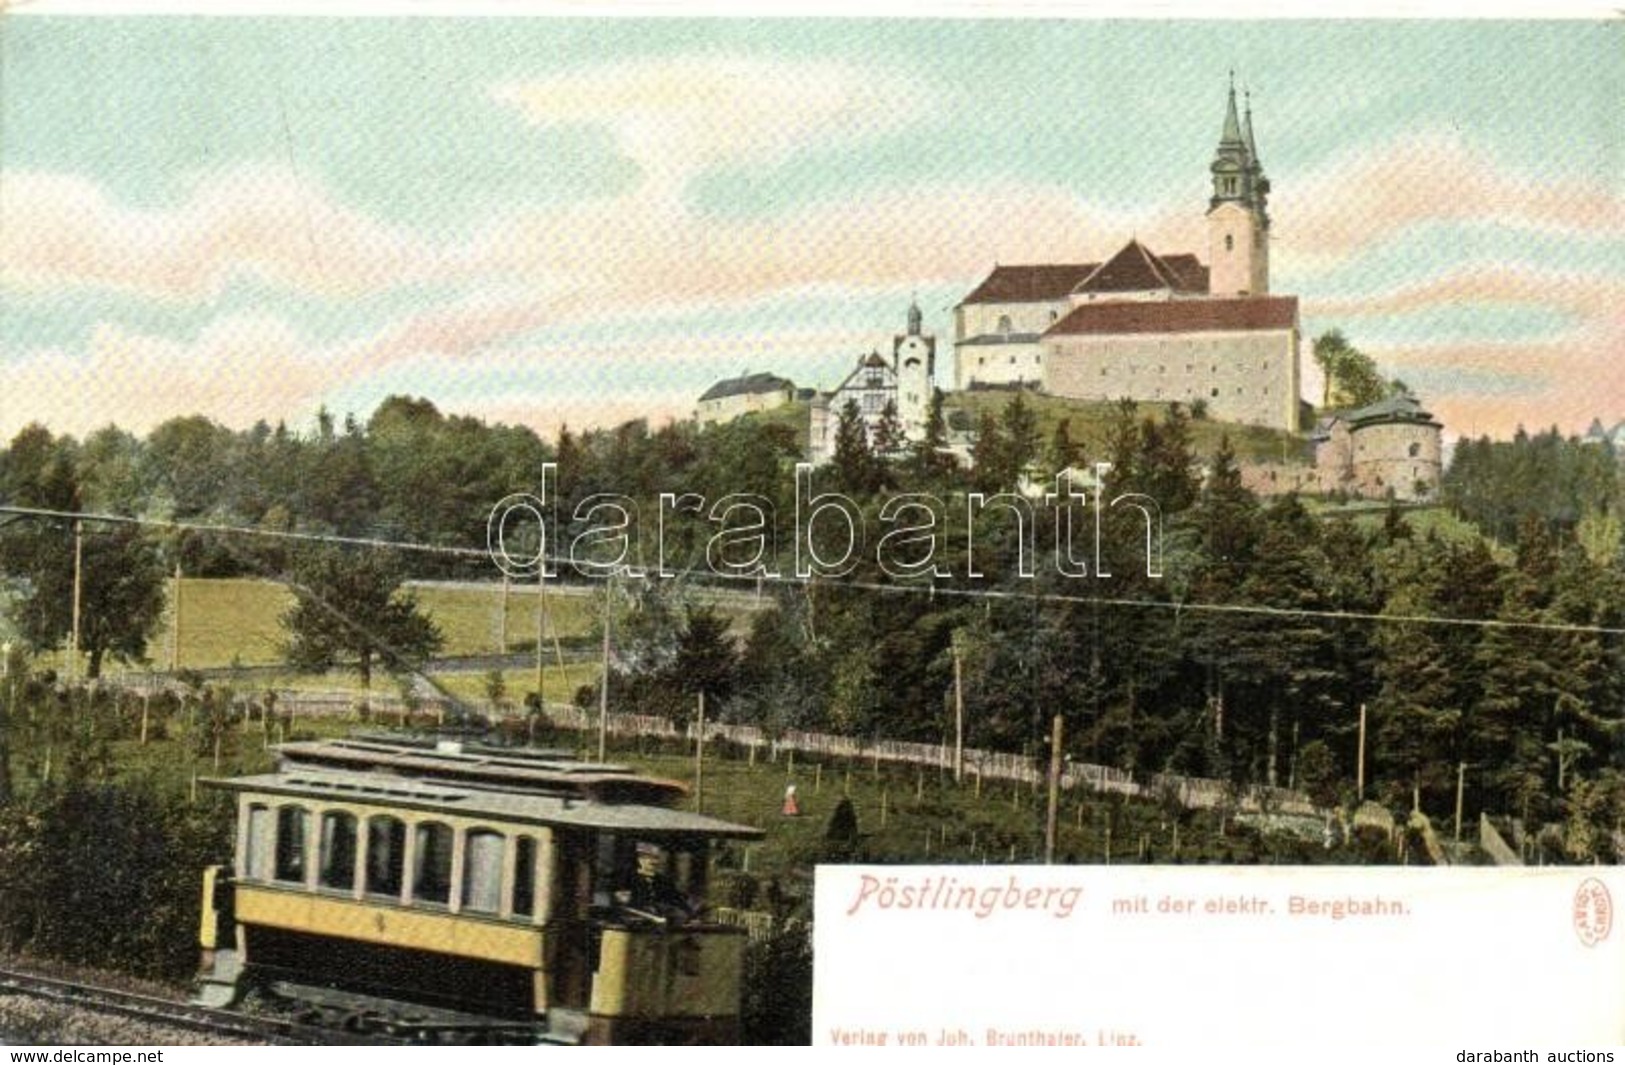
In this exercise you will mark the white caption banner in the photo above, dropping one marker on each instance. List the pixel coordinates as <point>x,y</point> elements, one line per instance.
<point>1202,956</point>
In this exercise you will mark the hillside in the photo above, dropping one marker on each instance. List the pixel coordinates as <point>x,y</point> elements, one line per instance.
<point>1089,423</point>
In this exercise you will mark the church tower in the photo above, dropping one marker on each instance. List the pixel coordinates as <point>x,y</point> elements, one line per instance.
<point>914,361</point>
<point>1238,221</point>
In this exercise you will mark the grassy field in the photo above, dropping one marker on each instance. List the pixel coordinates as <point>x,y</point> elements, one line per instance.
<point>559,685</point>
<point>239,622</point>
<point>471,618</point>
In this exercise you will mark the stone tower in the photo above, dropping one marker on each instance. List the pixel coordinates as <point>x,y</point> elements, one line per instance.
<point>914,361</point>
<point>1238,221</point>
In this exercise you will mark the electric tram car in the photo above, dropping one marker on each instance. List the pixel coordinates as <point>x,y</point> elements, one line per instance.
<point>458,892</point>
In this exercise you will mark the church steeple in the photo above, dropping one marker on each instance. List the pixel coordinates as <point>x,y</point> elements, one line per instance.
<point>1238,221</point>
<point>1232,131</point>
<point>916,320</point>
<point>1255,166</point>
<point>1232,160</point>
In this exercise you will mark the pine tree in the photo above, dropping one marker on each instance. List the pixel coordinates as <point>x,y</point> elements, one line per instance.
<point>1165,464</point>
<point>989,457</point>
<point>1019,425</point>
<point>929,461</point>
<point>1063,453</point>
<point>890,440</point>
<point>856,469</point>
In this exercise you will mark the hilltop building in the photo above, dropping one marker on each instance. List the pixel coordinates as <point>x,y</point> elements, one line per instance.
<point>1390,449</point>
<point>906,380</point>
<point>1151,327</point>
<point>750,393</point>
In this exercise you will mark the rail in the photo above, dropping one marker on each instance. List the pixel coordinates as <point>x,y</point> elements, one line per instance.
<point>166,1012</point>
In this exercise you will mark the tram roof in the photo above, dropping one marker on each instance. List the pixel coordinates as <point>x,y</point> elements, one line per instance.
<point>437,796</point>
<point>515,769</point>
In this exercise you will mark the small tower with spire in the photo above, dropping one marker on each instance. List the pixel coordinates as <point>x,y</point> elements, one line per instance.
<point>914,360</point>
<point>1238,215</point>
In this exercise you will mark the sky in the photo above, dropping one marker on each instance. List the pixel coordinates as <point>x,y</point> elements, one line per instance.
<point>550,221</point>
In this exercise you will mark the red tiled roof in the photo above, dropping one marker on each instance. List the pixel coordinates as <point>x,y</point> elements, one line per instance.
<point>1190,270</point>
<point>1240,314</point>
<point>1133,269</point>
<point>1029,284</point>
<point>1137,268</point>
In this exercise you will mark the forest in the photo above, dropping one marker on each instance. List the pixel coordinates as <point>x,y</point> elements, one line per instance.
<point>1485,649</point>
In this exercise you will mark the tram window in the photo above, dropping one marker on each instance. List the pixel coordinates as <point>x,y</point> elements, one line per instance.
<point>386,855</point>
<point>524,878</point>
<point>291,822</point>
<point>338,850</point>
<point>482,871</point>
<point>259,843</point>
<point>614,869</point>
<point>431,872</point>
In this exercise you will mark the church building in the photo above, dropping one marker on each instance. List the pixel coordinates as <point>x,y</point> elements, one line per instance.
<point>1150,327</point>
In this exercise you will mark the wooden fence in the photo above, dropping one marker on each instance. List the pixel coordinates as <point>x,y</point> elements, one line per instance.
<point>387,708</point>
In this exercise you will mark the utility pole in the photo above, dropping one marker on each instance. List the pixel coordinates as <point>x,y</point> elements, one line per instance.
<point>541,613</point>
<point>959,707</point>
<point>1054,790</point>
<point>502,621</point>
<point>1359,770</point>
<point>6,719</point>
<point>175,621</point>
<point>78,588</point>
<point>603,686</point>
<point>1461,782</point>
<point>699,759</point>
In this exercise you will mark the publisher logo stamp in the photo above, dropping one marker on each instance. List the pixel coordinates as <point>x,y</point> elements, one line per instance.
<point>1593,911</point>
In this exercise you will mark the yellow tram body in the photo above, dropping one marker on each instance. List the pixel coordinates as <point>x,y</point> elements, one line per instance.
<point>563,895</point>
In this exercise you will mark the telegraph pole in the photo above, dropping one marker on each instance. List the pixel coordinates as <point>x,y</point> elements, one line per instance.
<point>175,621</point>
<point>959,708</point>
<point>78,589</point>
<point>1461,783</point>
<point>6,718</point>
<point>1359,771</point>
<point>699,759</point>
<point>1054,791</point>
<point>603,686</point>
<point>502,621</point>
<point>541,613</point>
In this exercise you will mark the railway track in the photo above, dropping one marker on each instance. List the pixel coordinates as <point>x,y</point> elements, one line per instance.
<point>171,1014</point>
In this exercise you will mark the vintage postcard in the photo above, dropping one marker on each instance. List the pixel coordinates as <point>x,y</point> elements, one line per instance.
<point>603,529</point>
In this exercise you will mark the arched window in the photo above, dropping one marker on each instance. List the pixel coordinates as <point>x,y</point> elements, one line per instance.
<point>1004,324</point>
<point>1229,242</point>
<point>291,822</point>
<point>1414,450</point>
<point>386,855</point>
<point>431,863</point>
<point>338,850</point>
<point>482,870</point>
<point>258,845</point>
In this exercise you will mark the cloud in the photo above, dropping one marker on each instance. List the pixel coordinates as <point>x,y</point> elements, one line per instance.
<point>1363,197</point>
<point>238,370</point>
<point>675,117</point>
<point>1502,284</point>
<point>648,257</point>
<point>63,231</point>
